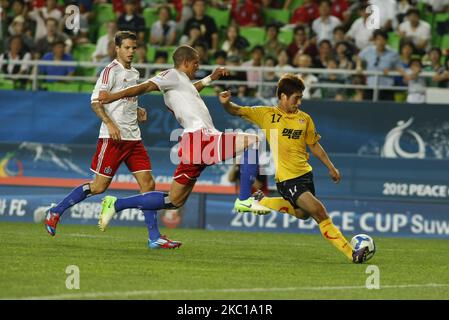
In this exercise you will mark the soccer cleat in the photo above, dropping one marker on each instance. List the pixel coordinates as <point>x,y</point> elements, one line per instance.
<point>107,212</point>
<point>163,243</point>
<point>250,205</point>
<point>360,256</point>
<point>51,221</point>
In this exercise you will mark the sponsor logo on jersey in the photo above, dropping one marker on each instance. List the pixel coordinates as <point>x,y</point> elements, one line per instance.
<point>291,133</point>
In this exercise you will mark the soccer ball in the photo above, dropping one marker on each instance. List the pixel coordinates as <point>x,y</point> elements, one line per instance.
<point>363,240</point>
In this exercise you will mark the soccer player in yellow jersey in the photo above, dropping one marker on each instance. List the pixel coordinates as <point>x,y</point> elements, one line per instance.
<point>289,131</point>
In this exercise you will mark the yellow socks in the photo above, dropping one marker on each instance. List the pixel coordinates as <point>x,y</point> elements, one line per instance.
<point>331,233</point>
<point>278,204</point>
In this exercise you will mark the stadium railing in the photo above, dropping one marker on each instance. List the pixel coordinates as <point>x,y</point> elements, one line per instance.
<point>150,69</point>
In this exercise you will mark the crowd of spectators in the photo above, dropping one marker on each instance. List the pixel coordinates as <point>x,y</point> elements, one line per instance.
<point>327,34</point>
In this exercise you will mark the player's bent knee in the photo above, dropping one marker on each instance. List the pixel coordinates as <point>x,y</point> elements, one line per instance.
<point>302,215</point>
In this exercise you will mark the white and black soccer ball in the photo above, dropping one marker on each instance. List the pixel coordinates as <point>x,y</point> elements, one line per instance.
<point>363,240</point>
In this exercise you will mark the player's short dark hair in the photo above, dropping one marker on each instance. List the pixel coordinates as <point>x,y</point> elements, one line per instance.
<point>289,84</point>
<point>183,53</point>
<point>122,35</point>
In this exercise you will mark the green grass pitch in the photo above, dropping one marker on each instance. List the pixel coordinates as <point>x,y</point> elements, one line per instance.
<point>211,265</point>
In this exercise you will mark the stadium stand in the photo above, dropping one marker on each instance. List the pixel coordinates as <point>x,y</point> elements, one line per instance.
<point>100,13</point>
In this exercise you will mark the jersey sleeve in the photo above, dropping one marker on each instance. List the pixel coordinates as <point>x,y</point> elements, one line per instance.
<point>312,136</point>
<point>104,83</point>
<point>165,80</point>
<point>253,114</point>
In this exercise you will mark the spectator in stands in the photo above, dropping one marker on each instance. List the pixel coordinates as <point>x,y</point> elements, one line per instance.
<point>325,24</point>
<point>111,55</point>
<point>437,5</point>
<point>246,13</point>
<point>193,36</point>
<point>201,48</point>
<point>130,20</point>
<point>305,61</point>
<point>237,89</point>
<point>102,47</point>
<point>338,34</point>
<point>220,57</point>
<point>305,13</point>
<point>161,57</point>
<point>41,16</point>
<point>358,94</point>
<point>340,10</point>
<point>406,52</point>
<point>273,45</point>
<point>268,91</point>
<point>379,58</point>
<point>334,79</point>
<point>221,4</point>
<point>206,24</point>
<point>15,55</point>
<point>359,33</point>
<point>18,8</point>
<point>185,12</point>
<point>324,54</point>
<point>254,76</point>
<point>419,31</point>
<point>119,6</point>
<point>402,8</point>
<point>234,43</point>
<point>141,58</point>
<point>18,29</point>
<point>416,82</point>
<point>442,78</point>
<point>163,31</point>
<point>57,55</point>
<point>283,65</point>
<point>301,43</point>
<point>387,14</point>
<point>344,58</point>
<point>434,65</point>
<point>45,44</point>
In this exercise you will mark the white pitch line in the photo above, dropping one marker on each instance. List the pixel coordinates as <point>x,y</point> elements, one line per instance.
<point>230,290</point>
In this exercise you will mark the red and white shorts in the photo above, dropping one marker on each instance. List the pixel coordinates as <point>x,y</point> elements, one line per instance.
<point>200,149</point>
<point>110,154</point>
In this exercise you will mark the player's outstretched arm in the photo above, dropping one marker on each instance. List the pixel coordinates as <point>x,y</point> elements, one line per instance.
<point>134,91</point>
<point>217,74</point>
<point>230,107</point>
<point>321,154</point>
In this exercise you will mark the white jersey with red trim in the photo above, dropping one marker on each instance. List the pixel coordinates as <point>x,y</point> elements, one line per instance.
<point>182,98</point>
<point>123,112</point>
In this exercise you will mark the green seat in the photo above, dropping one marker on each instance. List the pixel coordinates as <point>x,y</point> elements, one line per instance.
<point>254,35</point>
<point>220,16</point>
<point>208,91</point>
<point>6,84</point>
<point>86,87</point>
<point>84,52</point>
<point>286,36</point>
<point>394,40</point>
<point>150,15</point>
<point>169,50</point>
<point>72,86</point>
<point>295,4</point>
<point>151,53</point>
<point>444,43</point>
<point>102,30</point>
<point>276,15</point>
<point>104,12</point>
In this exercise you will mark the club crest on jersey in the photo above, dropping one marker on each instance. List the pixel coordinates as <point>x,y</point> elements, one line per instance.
<point>108,170</point>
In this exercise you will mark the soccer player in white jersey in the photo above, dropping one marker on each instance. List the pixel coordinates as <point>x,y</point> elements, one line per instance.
<point>200,145</point>
<point>119,141</point>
